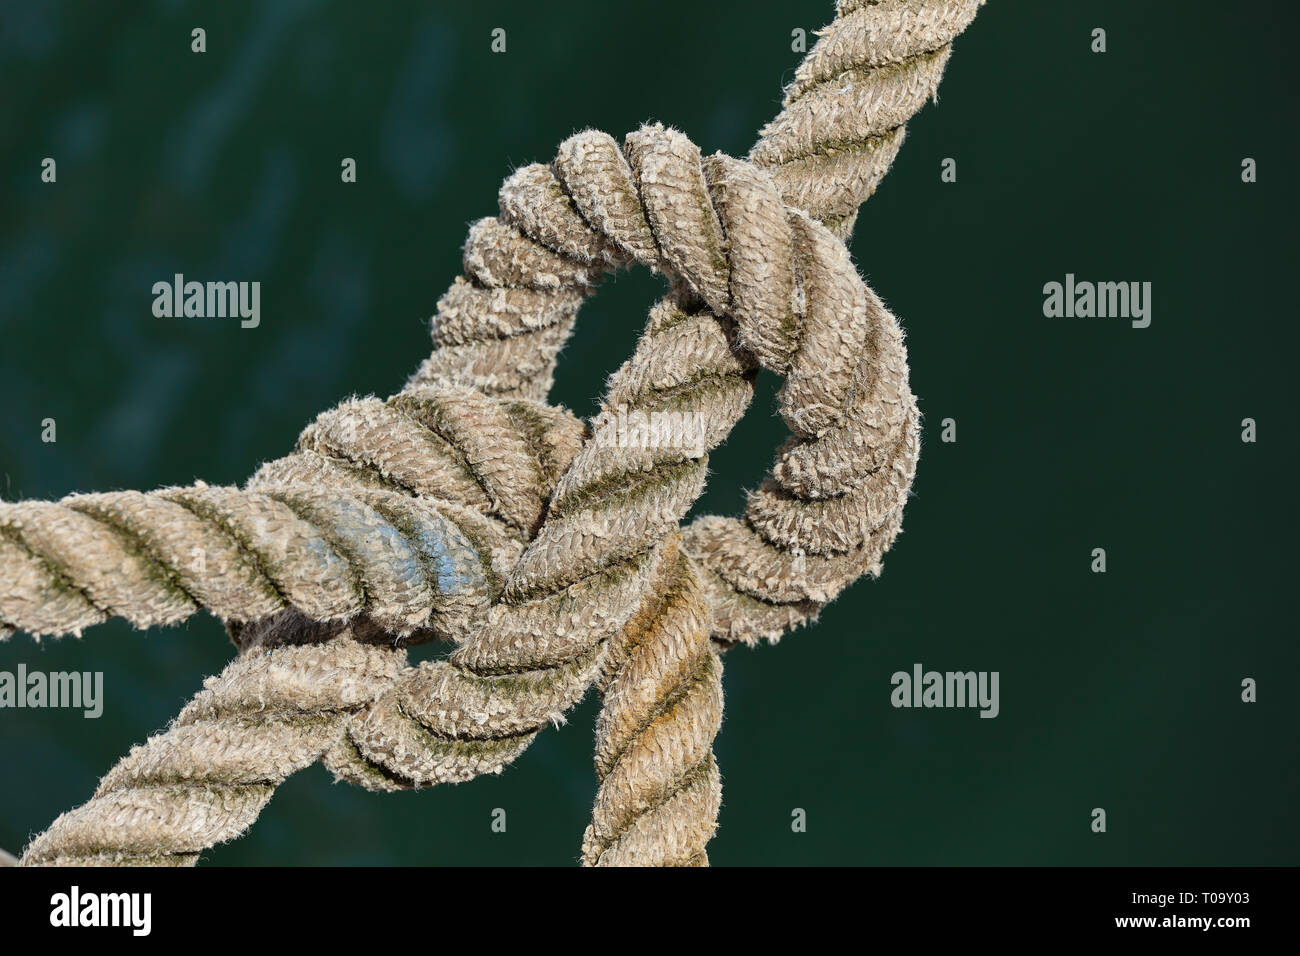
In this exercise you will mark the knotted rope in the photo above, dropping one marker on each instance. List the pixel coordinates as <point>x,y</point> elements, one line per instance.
<point>408,511</point>
<point>602,592</point>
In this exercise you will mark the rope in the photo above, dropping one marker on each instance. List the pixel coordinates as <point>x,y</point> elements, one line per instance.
<point>208,776</point>
<point>758,283</point>
<point>408,511</point>
<point>842,123</point>
<point>660,791</point>
<point>785,292</point>
<point>272,712</point>
<point>840,128</point>
<point>603,592</point>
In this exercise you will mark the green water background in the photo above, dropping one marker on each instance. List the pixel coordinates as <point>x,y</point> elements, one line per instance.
<point>1119,691</point>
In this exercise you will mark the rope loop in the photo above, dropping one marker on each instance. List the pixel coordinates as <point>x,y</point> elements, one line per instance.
<point>465,507</point>
<point>755,283</point>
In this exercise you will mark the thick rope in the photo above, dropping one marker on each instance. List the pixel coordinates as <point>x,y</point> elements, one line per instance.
<point>587,571</point>
<point>662,686</point>
<point>755,283</point>
<point>843,119</point>
<point>840,128</point>
<point>758,283</point>
<point>785,292</point>
<point>407,511</point>
<point>274,711</point>
<point>207,777</point>
<point>520,289</point>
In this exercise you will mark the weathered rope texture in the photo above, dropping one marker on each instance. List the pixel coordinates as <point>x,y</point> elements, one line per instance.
<point>757,283</point>
<point>407,511</point>
<point>582,577</point>
<point>205,779</point>
<point>844,113</point>
<point>784,290</point>
<point>528,271</point>
<point>662,687</point>
<point>272,712</point>
<point>841,126</point>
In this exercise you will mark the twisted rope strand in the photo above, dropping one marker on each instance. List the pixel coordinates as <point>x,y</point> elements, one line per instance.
<point>408,511</point>
<point>501,325</point>
<point>660,790</point>
<point>754,566</point>
<point>844,115</point>
<point>756,282</point>
<point>784,294</point>
<point>588,569</point>
<point>206,778</point>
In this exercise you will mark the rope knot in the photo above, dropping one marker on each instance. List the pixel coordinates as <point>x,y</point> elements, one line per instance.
<point>467,508</point>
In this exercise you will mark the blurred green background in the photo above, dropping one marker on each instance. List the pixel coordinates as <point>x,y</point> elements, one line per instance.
<point>1119,691</point>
